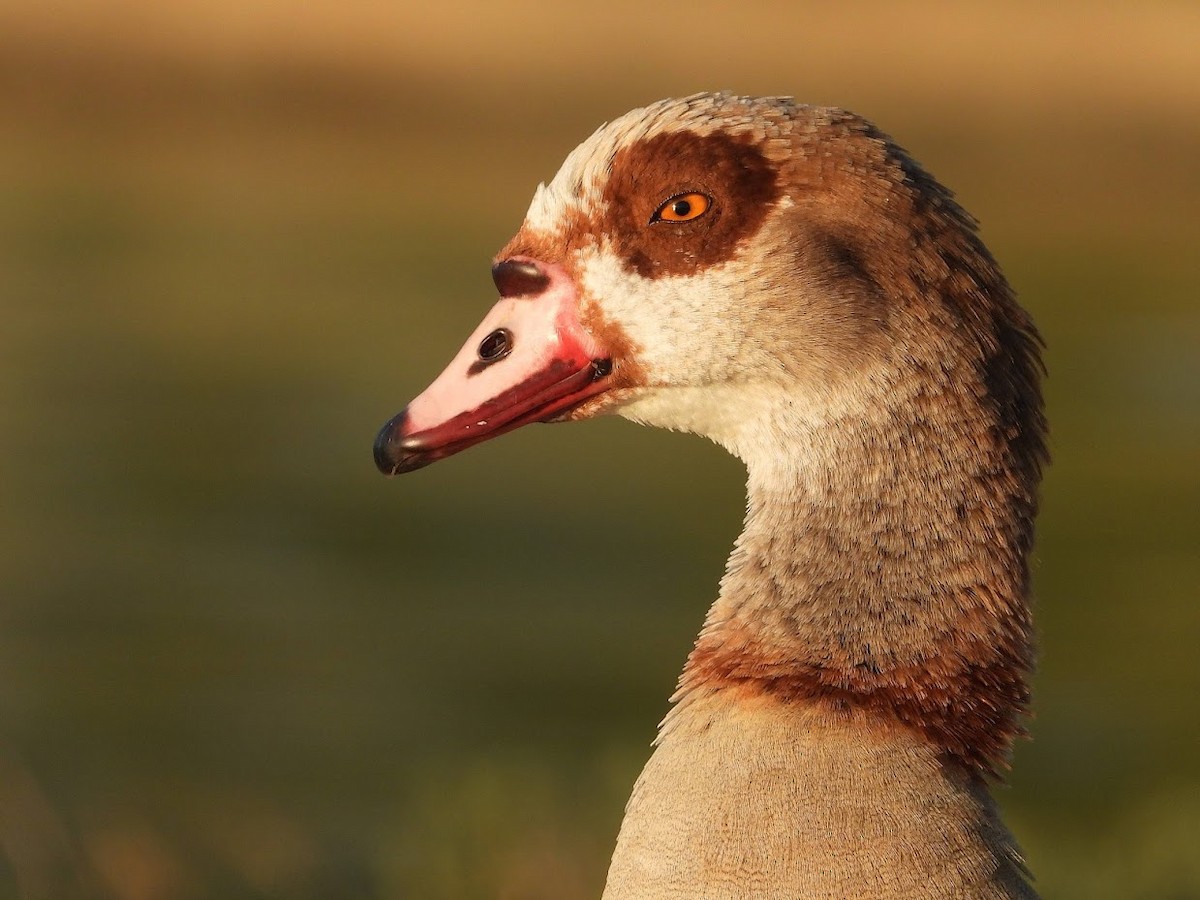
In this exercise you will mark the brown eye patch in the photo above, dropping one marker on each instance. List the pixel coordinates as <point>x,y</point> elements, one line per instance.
<point>726,176</point>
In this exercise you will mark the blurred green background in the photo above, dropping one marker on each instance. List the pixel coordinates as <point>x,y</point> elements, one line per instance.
<point>237,235</point>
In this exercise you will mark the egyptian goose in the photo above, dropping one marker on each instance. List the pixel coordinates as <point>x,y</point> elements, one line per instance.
<point>787,281</point>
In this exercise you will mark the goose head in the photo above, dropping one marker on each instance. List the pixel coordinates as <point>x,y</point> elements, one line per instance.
<point>747,269</point>
<point>667,273</point>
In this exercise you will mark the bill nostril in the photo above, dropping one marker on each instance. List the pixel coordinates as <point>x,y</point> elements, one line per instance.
<point>519,278</point>
<point>496,345</point>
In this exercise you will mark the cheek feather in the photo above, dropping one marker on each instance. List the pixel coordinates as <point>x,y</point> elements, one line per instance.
<point>625,353</point>
<point>659,318</point>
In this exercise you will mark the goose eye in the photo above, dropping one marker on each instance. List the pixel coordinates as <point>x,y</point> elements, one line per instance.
<point>682,208</point>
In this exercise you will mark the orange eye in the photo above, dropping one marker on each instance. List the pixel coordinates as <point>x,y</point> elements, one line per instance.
<point>682,208</point>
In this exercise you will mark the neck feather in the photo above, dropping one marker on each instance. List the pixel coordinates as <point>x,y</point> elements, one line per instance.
<point>885,574</point>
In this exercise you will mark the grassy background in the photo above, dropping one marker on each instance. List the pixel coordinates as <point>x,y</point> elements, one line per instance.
<point>235,237</point>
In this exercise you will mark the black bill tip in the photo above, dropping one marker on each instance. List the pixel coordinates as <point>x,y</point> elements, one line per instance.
<point>390,452</point>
